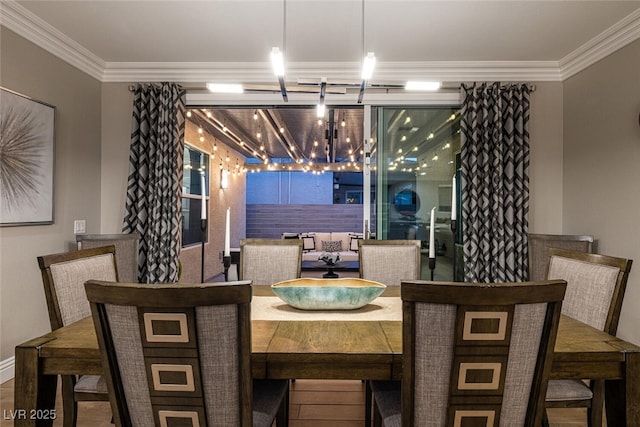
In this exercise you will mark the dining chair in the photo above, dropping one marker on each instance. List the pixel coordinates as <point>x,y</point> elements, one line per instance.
<point>63,277</point>
<point>595,290</point>
<point>473,354</point>
<point>180,355</point>
<point>269,261</point>
<point>389,261</point>
<point>539,245</point>
<point>126,251</point>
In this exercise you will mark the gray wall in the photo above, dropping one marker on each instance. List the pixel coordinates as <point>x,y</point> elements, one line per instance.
<point>601,165</point>
<point>28,69</point>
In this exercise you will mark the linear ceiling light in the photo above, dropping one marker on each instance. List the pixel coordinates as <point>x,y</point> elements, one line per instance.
<point>277,61</point>
<point>323,88</point>
<point>225,87</point>
<point>422,85</point>
<point>368,65</point>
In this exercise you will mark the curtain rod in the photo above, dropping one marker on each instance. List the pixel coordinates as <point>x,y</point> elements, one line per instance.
<point>532,88</point>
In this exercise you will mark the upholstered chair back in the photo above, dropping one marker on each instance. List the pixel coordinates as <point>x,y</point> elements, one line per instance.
<point>269,261</point>
<point>477,354</point>
<point>126,251</point>
<point>596,286</point>
<point>539,245</point>
<point>389,261</point>
<point>63,277</point>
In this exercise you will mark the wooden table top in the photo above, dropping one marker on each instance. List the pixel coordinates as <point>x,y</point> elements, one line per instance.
<point>363,342</point>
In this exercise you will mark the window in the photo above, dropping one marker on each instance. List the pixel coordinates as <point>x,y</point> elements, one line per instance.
<point>196,165</point>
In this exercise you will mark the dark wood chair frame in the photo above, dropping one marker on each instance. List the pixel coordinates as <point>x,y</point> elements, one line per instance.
<point>595,405</point>
<point>174,296</point>
<point>70,398</point>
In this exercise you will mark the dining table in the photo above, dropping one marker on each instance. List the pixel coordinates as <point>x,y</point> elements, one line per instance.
<point>288,343</point>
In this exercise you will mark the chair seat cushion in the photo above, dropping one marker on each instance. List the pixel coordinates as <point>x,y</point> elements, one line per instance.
<point>559,390</point>
<point>267,397</point>
<point>91,384</point>
<point>387,399</point>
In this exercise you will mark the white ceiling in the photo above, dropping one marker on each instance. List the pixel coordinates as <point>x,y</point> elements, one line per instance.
<point>196,41</point>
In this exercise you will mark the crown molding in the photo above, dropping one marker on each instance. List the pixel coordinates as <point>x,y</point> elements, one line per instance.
<point>38,31</point>
<point>260,72</point>
<point>619,35</point>
<point>31,27</point>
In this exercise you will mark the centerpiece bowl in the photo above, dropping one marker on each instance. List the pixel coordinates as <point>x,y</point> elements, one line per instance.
<point>328,294</point>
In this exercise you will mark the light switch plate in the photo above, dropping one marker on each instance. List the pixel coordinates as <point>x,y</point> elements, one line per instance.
<point>79,226</point>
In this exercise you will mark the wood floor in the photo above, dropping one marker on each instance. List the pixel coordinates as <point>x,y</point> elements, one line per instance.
<point>314,403</point>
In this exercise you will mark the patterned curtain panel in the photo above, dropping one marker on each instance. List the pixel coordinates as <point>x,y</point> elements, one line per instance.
<point>153,206</point>
<point>495,181</point>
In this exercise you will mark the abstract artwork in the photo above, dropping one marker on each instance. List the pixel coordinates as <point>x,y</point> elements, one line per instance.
<point>26,160</point>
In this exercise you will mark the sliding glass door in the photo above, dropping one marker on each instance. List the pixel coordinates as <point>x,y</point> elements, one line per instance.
<point>415,150</point>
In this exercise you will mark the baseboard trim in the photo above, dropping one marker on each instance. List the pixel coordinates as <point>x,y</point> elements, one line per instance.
<point>7,369</point>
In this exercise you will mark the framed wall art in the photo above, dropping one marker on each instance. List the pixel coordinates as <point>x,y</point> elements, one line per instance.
<point>26,160</point>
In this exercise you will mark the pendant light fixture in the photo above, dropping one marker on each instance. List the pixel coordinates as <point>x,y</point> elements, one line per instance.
<point>277,56</point>
<point>368,63</point>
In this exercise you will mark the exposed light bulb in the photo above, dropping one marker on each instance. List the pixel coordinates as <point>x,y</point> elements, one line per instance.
<point>255,115</point>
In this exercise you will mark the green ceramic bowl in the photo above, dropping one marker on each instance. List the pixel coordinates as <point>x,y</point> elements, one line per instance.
<point>328,294</point>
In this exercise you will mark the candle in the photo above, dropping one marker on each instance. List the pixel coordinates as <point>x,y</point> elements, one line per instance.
<point>454,210</point>
<point>432,239</point>
<point>203,213</point>
<point>227,232</point>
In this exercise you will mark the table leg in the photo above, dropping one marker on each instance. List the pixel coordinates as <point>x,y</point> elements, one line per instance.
<point>34,393</point>
<point>622,397</point>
